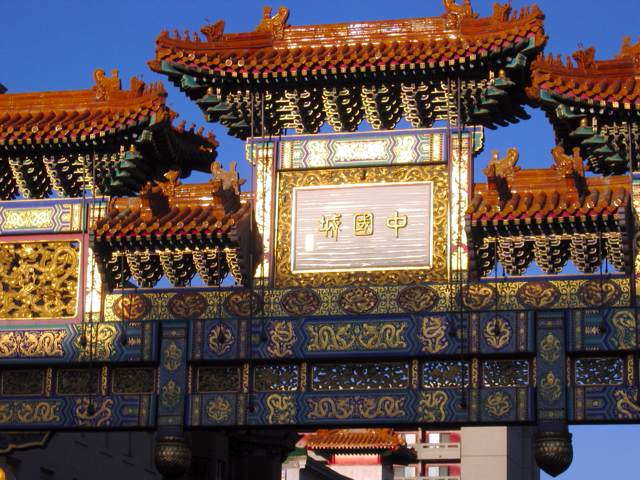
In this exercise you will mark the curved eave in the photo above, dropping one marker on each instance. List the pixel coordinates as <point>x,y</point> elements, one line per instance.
<point>553,99</point>
<point>354,49</point>
<point>508,53</point>
<point>79,142</point>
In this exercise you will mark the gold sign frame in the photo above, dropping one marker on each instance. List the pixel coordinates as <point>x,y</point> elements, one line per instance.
<point>437,174</point>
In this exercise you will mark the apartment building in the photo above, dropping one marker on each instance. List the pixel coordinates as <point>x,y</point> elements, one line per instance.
<point>470,453</point>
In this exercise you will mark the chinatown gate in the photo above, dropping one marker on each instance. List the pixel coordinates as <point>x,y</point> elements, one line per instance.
<point>377,282</point>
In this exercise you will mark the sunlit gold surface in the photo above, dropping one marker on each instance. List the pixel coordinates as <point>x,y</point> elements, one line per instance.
<point>39,280</point>
<point>460,181</point>
<point>260,155</point>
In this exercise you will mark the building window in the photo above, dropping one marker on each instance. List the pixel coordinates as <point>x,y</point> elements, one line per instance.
<point>437,471</point>
<point>436,438</point>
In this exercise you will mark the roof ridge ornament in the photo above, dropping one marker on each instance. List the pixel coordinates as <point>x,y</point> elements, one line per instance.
<point>105,85</point>
<point>502,11</point>
<point>584,57</point>
<point>275,24</point>
<point>227,179</point>
<point>501,171</point>
<point>504,167</point>
<point>629,50</point>
<point>460,11</point>
<point>213,32</point>
<point>566,165</point>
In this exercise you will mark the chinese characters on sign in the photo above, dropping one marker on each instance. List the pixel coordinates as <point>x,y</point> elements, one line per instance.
<point>397,222</point>
<point>362,226</point>
<point>331,225</point>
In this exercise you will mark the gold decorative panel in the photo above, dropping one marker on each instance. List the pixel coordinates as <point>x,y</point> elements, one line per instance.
<point>39,280</point>
<point>344,228</point>
<point>289,181</point>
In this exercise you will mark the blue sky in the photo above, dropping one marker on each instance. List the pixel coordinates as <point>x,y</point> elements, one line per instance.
<point>56,45</point>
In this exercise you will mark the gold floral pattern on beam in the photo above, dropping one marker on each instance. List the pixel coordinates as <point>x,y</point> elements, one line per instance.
<point>39,279</point>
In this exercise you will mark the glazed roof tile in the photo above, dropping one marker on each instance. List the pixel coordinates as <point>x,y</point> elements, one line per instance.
<point>377,439</point>
<point>80,115</point>
<point>168,209</point>
<point>614,82</point>
<point>276,48</point>
<point>545,195</point>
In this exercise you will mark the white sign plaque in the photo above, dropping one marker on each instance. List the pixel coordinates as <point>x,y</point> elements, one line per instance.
<point>375,226</point>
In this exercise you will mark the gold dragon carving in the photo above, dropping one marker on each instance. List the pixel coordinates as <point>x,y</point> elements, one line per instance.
<point>550,387</point>
<point>32,344</point>
<point>341,408</point>
<point>497,333</point>
<point>433,334</point>
<point>282,338</point>
<point>100,342</point>
<point>498,405</point>
<point>627,404</point>
<point>27,413</point>
<point>550,348</point>
<point>281,409</point>
<point>431,406</point>
<point>39,280</point>
<point>98,416</point>
<point>350,336</point>
<point>219,410</point>
<point>624,327</point>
